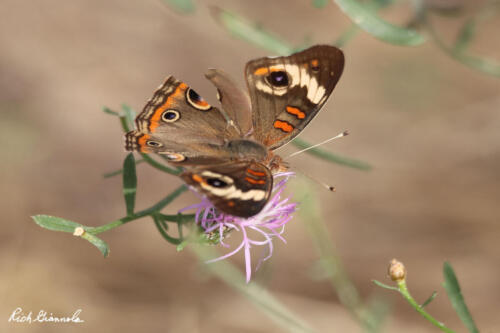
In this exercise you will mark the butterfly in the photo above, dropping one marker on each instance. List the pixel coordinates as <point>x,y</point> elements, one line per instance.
<point>228,152</point>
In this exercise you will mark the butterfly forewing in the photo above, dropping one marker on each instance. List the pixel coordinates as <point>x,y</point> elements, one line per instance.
<point>287,92</point>
<point>180,124</point>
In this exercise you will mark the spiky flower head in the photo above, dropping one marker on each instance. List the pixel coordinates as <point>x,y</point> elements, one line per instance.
<point>257,230</point>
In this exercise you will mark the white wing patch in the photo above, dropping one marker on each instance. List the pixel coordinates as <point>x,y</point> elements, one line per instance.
<point>230,192</point>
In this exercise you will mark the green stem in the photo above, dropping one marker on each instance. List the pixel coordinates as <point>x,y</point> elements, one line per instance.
<point>403,290</point>
<point>148,211</point>
<point>160,166</point>
<point>164,234</point>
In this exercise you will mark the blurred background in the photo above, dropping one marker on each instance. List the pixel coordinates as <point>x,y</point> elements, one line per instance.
<point>426,123</point>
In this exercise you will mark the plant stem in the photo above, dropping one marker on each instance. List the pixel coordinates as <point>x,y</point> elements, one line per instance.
<point>403,290</point>
<point>148,211</point>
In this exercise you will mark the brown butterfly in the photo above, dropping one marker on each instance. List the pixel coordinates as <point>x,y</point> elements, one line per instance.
<point>228,152</point>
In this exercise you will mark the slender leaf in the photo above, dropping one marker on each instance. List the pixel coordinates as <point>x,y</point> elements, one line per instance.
<point>319,3</point>
<point>457,300</point>
<point>429,300</point>
<point>366,18</point>
<point>107,110</point>
<point>163,232</point>
<point>242,29</point>
<point>181,6</point>
<point>97,242</point>
<point>129,116</point>
<point>59,224</point>
<point>383,285</point>
<point>465,36</point>
<point>323,154</point>
<point>56,223</point>
<point>118,172</point>
<point>124,118</point>
<point>129,183</point>
<point>480,64</point>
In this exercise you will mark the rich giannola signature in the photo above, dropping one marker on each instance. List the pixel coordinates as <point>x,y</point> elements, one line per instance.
<point>21,316</point>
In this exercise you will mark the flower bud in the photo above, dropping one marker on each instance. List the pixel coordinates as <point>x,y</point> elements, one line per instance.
<point>396,271</point>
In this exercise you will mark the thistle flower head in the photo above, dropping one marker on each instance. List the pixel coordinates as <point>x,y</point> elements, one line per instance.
<point>257,230</point>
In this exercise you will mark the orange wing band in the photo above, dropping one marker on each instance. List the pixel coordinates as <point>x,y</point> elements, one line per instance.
<point>296,112</point>
<point>256,173</point>
<point>283,125</point>
<point>155,119</point>
<point>253,181</point>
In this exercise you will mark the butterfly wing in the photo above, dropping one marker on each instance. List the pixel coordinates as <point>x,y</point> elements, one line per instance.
<point>287,92</point>
<point>235,101</point>
<point>180,124</point>
<point>236,188</point>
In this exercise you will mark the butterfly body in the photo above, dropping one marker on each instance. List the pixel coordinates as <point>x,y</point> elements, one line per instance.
<point>228,152</point>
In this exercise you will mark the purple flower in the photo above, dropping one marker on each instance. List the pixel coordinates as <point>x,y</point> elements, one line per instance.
<point>258,230</point>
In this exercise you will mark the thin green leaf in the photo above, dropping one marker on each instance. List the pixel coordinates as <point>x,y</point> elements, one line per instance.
<point>457,300</point>
<point>124,123</point>
<point>429,300</point>
<point>242,29</point>
<point>56,223</point>
<point>182,246</point>
<point>480,64</point>
<point>483,65</point>
<point>97,242</point>
<point>160,166</point>
<point>129,116</point>
<point>124,118</point>
<point>318,152</point>
<point>59,224</point>
<point>181,6</point>
<point>118,172</point>
<point>163,232</point>
<point>366,18</point>
<point>107,110</point>
<point>468,30</point>
<point>129,183</point>
<point>465,36</point>
<point>320,3</point>
<point>383,285</point>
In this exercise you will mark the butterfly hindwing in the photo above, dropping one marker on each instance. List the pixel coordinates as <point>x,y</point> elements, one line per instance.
<point>236,188</point>
<point>287,92</point>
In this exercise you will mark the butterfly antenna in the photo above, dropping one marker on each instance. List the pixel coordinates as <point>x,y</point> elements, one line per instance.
<point>325,185</point>
<point>345,133</point>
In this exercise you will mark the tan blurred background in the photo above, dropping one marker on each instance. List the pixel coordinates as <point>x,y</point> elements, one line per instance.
<point>428,125</point>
